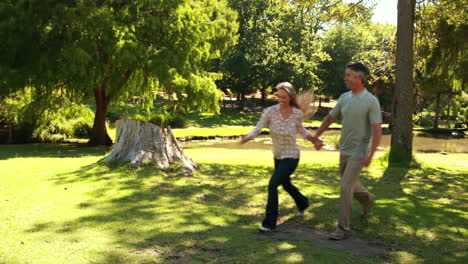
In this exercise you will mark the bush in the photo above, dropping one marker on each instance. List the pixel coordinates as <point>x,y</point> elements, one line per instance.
<point>113,116</point>
<point>177,121</point>
<point>82,129</point>
<point>159,120</point>
<point>23,133</point>
<point>424,119</point>
<point>41,121</point>
<point>57,125</point>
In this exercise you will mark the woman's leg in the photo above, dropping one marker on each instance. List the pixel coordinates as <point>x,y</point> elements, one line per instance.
<point>301,201</point>
<point>283,169</point>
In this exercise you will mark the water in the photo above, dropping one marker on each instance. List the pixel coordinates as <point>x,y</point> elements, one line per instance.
<point>420,143</point>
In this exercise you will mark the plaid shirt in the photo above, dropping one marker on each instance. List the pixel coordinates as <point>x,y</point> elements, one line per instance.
<point>283,131</point>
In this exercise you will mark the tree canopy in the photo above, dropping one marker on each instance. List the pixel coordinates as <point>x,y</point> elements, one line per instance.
<point>113,49</point>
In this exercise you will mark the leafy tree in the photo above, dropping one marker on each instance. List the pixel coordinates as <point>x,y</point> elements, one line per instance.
<point>343,43</point>
<point>381,62</point>
<point>441,52</point>
<point>320,14</point>
<point>277,42</point>
<point>110,50</point>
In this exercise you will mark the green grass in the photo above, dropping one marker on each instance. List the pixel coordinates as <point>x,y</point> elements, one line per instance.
<point>58,205</point>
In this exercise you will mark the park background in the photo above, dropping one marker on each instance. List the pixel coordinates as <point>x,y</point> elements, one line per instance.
<point>71,69</point>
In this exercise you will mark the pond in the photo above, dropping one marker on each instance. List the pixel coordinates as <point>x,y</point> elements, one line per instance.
<point>420,143</point>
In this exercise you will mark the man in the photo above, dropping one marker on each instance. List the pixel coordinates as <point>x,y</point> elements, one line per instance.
<point>361,117</point>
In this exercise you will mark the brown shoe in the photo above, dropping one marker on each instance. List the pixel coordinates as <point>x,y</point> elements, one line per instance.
<point>339,234</point>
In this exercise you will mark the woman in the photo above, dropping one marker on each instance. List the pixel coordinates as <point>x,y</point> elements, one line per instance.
<point>284,120</point>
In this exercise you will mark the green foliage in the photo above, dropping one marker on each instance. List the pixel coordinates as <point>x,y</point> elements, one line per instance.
<point>423,119</point>
<point>162,120</point>
<point>112,50</point>
<point>372,44</point>
<point>34,121</point>
<point>441,61</point>
<point>57,125</point>
<point>276,43</point>
<point>177,121</point>
<point>159,120</point>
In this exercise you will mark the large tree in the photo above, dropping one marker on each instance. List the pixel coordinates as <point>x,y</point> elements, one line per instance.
<point>279,41</point>
<point>109,50</point>
<point>402,131</point>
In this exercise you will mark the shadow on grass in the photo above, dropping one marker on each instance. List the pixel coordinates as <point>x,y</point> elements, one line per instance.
<point>422,211</point>
<point>211,217</point>
<point>50,150</point>
<point>161,216</point>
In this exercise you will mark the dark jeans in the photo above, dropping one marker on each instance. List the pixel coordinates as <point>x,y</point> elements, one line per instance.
<point>281,176</point>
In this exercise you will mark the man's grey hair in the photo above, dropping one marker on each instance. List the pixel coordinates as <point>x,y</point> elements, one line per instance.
<point>359,69</point>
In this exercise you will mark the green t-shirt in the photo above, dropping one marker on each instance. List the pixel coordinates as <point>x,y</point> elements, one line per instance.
<point>358,113</point>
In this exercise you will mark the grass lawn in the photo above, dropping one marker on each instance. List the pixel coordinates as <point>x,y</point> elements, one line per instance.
<point>57,205</point>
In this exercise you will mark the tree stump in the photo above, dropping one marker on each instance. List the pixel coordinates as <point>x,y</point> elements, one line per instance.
<point>140,142</point>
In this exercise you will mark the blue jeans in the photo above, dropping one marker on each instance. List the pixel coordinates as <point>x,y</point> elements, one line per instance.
<point>282,176</point>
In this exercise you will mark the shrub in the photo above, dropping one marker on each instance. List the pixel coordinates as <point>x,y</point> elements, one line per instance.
<point>159,120</point>
<point>177,121</point>
<point>82,129</point>
<point>113,116</point>
<point>39,120</point>
<point>23,133</point>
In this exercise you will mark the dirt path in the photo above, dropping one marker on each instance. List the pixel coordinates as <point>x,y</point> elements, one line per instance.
<point>293,230</point>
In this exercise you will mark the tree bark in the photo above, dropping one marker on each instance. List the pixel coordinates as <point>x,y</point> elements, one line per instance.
<point>402,132</point>
<point>449,97</point>
<point>140,142</point>
<point>437,110</point>
<point>99,135</point>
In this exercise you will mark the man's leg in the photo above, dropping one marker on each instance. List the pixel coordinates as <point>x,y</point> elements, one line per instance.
<point>365,198</point>
<point>348,182</point>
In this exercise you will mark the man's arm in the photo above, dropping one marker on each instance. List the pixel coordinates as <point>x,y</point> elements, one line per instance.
<point>376,136</point>
<point>324,126</point>
<point>326,122</point>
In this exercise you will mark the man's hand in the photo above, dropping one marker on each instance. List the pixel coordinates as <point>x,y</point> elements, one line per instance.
<point>318,143</point>
<point>367,161</point>
<point>244,139</point>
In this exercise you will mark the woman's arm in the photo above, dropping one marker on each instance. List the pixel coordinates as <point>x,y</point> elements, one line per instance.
<point>263,122</point>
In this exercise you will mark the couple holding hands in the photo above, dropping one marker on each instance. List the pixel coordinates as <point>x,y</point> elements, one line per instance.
<point>360,114</point>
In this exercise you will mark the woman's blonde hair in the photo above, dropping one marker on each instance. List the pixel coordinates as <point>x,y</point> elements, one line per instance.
<point>304,101</point>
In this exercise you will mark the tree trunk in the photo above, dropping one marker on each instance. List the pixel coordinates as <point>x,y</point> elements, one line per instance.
<point>99,134</point>
<point>140,142</point>
<point>241,102</point>
<point>437,110</point>
<point>264,95</point>
<point>10,133</point>
<point>402,133</point>
<point>448,110</point>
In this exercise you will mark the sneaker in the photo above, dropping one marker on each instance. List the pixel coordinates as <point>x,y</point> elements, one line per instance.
<point>339,234</point>
<point>368,205</point>
<point>301,212</point>
<point>264,229</point>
